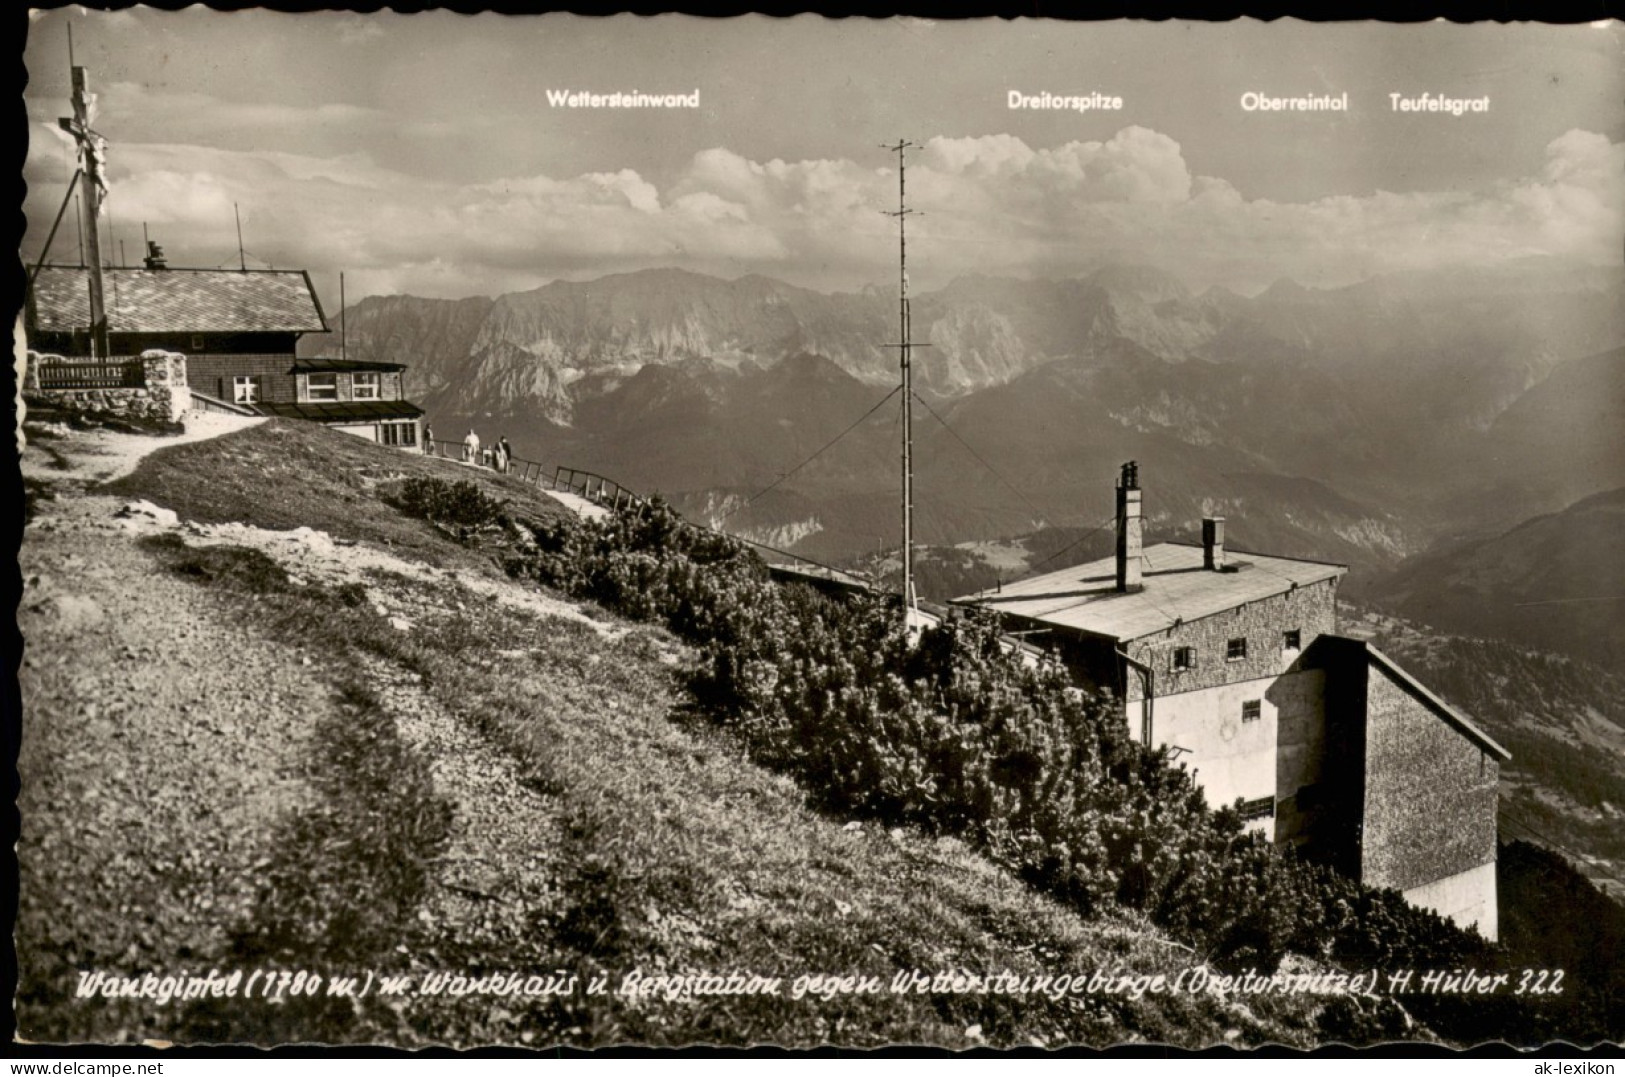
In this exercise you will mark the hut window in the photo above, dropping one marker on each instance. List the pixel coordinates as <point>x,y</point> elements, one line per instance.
<point>1236,649</point>
<point>1261,808</point>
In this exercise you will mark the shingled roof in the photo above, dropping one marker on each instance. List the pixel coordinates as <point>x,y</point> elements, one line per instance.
<point>178,301</point>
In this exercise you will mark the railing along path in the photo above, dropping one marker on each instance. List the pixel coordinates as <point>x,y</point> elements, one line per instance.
<point>596,488</point>
<point>116,373</point>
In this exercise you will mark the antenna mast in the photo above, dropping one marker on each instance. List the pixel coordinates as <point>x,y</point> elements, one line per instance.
<point>90,152</point>
<point>242,262</point>
<point>910,600</point>
<point>344,321</point>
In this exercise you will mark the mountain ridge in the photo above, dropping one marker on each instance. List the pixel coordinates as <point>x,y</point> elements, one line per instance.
<point>1391,393</point>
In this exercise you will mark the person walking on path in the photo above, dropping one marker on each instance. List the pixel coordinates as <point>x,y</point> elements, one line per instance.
<point>507,453</point>
<point>428,440</point>
<point>471,447</point>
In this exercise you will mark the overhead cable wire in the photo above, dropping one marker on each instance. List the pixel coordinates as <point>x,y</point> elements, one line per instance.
<point>1074,544</point>
<point>826,446</point>
<point>1042,519</point>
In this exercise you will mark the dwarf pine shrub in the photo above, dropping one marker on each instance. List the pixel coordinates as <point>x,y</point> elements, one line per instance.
<point>457,504</point>
<point>954,735</point>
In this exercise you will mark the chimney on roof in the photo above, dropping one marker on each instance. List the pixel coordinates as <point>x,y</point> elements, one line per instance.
<point>155,256</point>
<point>1213,543</point>
<point>1130,538</point>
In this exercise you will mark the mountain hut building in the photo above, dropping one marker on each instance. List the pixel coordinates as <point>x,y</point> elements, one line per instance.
<point>1323,742</point>
<point>239,331</point>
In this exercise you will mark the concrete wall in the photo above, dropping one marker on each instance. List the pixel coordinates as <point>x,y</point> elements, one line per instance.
<point>1274,756</point>
<point>1430,793</point>
<point>365,430</point>
<point>1468,898</point>
<point>1310,610</point>
<point>384,433</point>
<point>1299,701</point>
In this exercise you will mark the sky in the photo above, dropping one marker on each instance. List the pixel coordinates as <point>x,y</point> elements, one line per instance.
<point>421,154</point>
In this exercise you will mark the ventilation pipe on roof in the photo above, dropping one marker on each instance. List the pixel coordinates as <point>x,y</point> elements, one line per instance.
<point>1130,537</point>
<point>1213,543</point>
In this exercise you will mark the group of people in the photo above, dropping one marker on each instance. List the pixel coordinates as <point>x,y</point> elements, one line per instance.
<point>498,456</point>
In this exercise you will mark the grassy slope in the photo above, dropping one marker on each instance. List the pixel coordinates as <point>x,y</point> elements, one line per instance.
<point>285,474</point>
<point>676,854</point>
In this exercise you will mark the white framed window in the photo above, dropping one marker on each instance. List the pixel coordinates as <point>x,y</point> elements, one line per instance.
<point>1292,640</point>
<point>322,386</point>
<point>1184,658</point>
<point>398,433</point>
<point>364,386</point>
<point>1235,650</point>
<point>245,389</point>
<point>1252,710</point>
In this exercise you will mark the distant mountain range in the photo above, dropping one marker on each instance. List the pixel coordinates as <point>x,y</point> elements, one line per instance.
<point>1359,424</point>
<point>1556,583</point>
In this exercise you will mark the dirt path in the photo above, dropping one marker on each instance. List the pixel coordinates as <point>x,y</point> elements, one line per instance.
<point>499,867</point>
<point>90,457</point>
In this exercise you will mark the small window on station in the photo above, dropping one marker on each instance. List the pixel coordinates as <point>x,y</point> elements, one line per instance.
<point>1236,649</point>
<point>1184,658</point>
<point>1292,640</point>
<point>1252,710</point>
<point>1260,808</point>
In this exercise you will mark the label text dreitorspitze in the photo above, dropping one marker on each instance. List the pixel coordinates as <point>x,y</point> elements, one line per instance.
<point>1066,102</point>
<point>622,99</point>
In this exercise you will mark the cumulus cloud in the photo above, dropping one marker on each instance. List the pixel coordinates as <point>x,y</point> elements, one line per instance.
<point>991,204</point>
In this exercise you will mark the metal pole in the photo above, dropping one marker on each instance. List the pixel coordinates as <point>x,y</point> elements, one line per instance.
<point>242,260</point>
<point>344,322</point>
<point>905,348</point>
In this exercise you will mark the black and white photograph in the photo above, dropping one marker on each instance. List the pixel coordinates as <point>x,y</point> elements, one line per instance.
<point>503,565</point>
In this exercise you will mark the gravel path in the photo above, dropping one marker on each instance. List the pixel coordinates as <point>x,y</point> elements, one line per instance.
<point>88,457</point>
